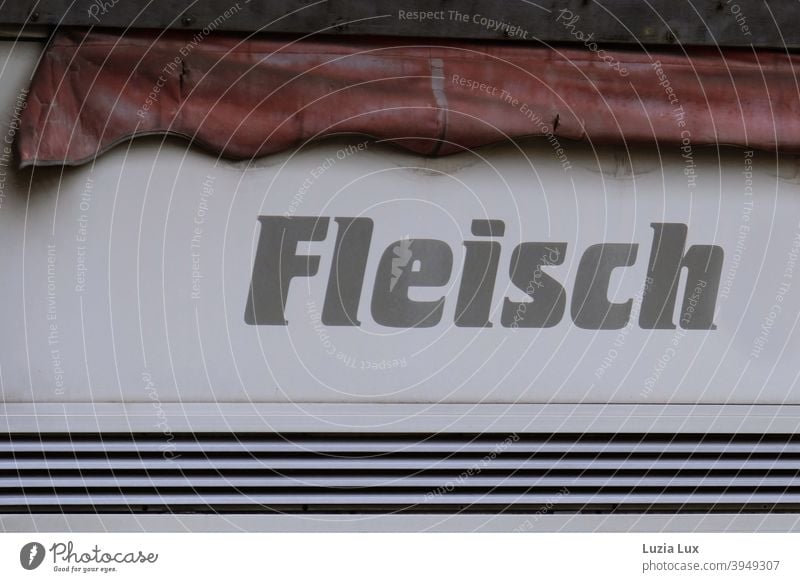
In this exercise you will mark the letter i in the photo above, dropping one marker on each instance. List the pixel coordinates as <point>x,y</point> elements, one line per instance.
<point>480,272</point>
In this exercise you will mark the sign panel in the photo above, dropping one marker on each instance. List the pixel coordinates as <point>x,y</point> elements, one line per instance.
<point>353,272</point>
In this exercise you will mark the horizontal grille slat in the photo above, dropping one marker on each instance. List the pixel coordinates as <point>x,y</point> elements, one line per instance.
<point>392,499</point>
<point>406,481</point>
<point>342,446</point>
<point>412,472</point>
<point>415,464</point>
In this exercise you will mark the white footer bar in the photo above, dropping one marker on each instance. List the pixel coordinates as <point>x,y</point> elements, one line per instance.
<point>400,556</point>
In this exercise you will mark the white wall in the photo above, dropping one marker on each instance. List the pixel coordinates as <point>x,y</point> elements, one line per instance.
<point>130,328</point>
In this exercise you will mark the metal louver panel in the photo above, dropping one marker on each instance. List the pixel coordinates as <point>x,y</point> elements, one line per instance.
<point>416,472</point>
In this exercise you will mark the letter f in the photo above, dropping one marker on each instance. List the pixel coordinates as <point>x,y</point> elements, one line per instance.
<point>277,262</point>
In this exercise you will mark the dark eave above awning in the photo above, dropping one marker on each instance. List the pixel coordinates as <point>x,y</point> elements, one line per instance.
<point>746,23</point>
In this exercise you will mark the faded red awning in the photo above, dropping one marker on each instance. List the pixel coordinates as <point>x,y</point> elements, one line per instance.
<point>244,98</point>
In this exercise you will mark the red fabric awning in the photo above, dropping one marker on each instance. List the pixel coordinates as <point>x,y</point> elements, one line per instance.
<point>246,98</point>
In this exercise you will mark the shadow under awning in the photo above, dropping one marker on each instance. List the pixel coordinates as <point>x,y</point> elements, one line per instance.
<point>243,98</point>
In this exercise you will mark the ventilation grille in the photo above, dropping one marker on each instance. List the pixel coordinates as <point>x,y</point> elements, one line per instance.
<point>426,473</point>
